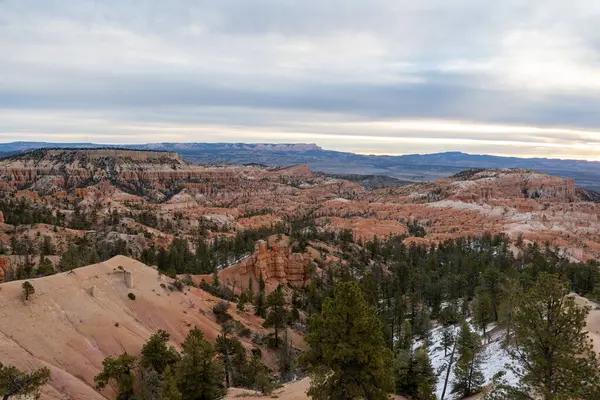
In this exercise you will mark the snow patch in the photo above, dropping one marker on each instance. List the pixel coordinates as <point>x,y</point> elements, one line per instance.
<point>495,360</point>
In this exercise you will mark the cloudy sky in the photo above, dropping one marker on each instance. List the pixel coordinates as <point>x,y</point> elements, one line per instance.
<point>512,77</point>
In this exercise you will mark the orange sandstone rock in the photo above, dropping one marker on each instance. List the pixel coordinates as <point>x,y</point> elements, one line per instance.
<point>4,265</point>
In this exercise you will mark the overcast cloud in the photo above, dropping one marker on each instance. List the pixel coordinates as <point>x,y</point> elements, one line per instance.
<point>371,76</point>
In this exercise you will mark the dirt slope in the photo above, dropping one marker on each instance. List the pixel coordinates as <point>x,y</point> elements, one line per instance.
<point>592,322</point>
<point>293,391</point>
<point>70,323</point>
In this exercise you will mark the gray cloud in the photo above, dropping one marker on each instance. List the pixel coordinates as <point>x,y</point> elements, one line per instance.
<point>249,69</point>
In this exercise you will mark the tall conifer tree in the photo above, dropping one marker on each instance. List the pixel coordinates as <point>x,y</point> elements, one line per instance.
<point>348,358</point>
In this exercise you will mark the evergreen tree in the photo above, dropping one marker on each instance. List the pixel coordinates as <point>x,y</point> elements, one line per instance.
<point>225,346</point>
<point>347,358</point>
<point>483,310</point>
<point>200,376</point>
<point>28,289</point>
<point>120,370</point>
<point>156,354</point>
<point>47,248</point>
<point>447,338</point>
<point>286,359</point>
<point>294,314</point>
<point>241,305</point>
<point>554,354</point>
<point>414,374</point>
<point>370,289</point>
<point>506,309</point>
<point>169,387</point>
<point>468,377</point>
<point>424,374</point>
<point>233,355</point>
<point>405,340</point>
<point>258,375</point>
<point>151,385</point>
<point>45,267</point>
<point>250,290</point>
<point>493,282</point>
<point>277,315</point>
<point>14,382</point>
<point>261,306</point>
<point>216,283</point>
<point>261,283</point>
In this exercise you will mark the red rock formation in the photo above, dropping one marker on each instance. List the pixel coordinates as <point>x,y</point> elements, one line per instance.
<point>295,171</point>
<point>74,167</point>
<point>275,260</point>
<point>4,265</point>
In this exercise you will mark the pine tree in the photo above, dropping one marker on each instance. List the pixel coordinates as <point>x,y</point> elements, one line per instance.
<point>151,385</point>
<point>241,305</point>
<point>200,376</point>
<point>347,358</point>
<point>45,267</point>
<point>170,390</point>
<point>286,360</point>
<point>554,354</point>
<point>261,306</point>
<point>156,354</point>
<point>215,281</point>
<point>28,289</point>
<point>368,284</point>
<point>257,375</point>
<point>483,310</point>
<point>277,315</point>
<point>47,247</point>
<point>405,340</point>
<point>233,357</point>
<point>120,370</point>
<point>250,290</point>
<point>424,374</point>
<point>414,374</point>
<point>468,377</point>
<point>506,309</point>
<point>294,314</point>
<point>225,348</point>
<point>447,339</point>
<point>261,283</point>
<point>14,382</point>
<point>493,282</point>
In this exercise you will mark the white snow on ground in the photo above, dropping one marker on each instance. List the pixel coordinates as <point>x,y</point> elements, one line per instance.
<point>339,200</point>
<point>495,360</point>
<point>461,205</point>
<point>232,262</point>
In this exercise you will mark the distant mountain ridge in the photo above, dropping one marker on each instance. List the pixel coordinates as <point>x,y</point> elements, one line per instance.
<point>166,146</point>
<point>412,167</point>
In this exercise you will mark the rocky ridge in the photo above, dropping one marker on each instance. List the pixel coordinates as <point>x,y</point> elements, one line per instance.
<point>184,198</point>
<point>273,259</point>
<point>88,311</point>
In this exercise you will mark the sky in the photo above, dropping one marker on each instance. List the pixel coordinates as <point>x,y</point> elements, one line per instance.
<point>516,78</point>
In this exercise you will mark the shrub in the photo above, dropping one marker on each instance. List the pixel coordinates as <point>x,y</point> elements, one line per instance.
<point>28,289</point>
<point>178,285</point>
<point>220,311</point>
<point>222,292</point>
<point>244,332</point>
<point>131,296</point>
<point>188,280</point>
<point>259,339</point>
